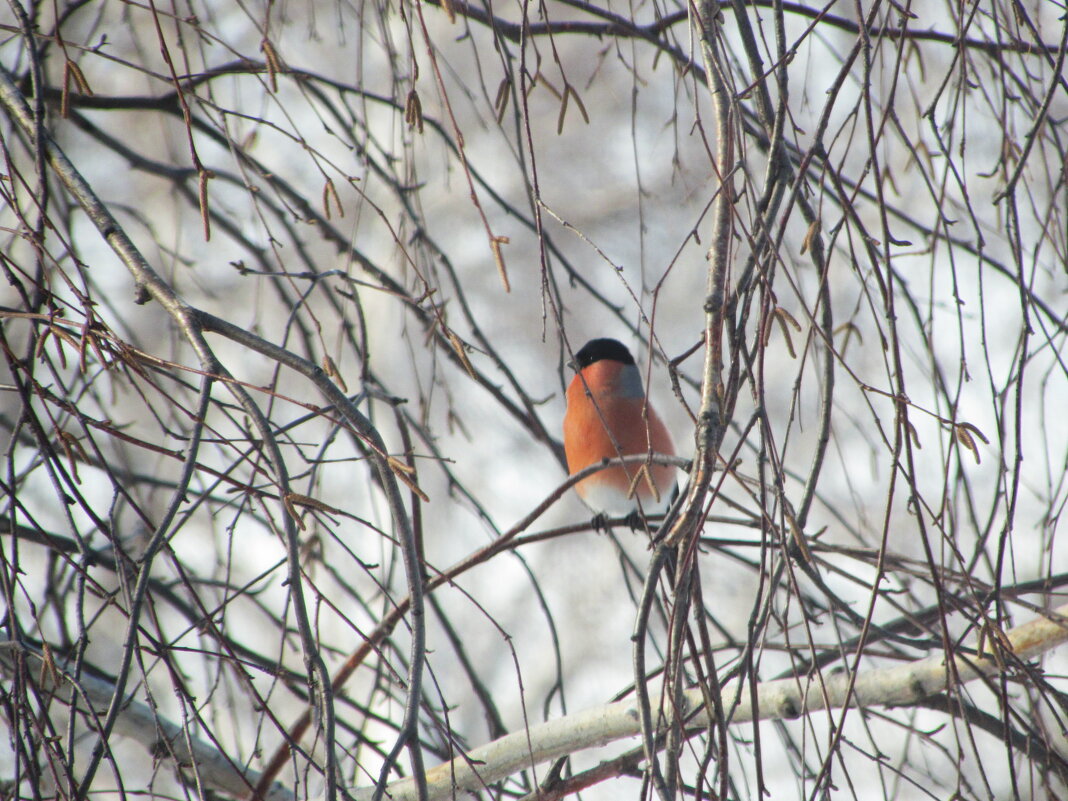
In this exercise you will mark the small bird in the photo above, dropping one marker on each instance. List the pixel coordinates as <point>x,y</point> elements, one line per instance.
<point>608,417</point>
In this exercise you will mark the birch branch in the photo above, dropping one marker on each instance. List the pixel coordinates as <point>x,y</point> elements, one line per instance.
<point>711,423</point>
<point>137,721</point>
<point>192,323</point>
<point>781,699</point>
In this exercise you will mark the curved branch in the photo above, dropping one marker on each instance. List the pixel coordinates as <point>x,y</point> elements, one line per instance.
<point>780,699</point>
<point>191,324</point>
<point>137,721</point>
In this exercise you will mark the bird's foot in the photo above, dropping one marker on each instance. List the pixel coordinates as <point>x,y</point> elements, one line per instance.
<point>600,522</point>
<point>635,521</point>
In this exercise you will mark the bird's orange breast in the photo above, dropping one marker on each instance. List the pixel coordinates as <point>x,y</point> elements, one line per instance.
<point>612,421</point>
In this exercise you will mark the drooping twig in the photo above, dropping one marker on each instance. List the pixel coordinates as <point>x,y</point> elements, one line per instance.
<point>142,723</point>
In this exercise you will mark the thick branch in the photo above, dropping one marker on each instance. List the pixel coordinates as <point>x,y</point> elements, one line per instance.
<point>138,721</point>
<point>781,699</point>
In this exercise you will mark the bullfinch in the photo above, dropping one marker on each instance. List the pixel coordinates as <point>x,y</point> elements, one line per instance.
<point>607,417</point>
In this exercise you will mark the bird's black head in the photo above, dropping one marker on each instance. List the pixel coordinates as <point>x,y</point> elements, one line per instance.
<point>597,349</point>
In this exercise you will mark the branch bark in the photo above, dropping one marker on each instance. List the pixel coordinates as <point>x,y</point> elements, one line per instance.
<point>138,721</point>
<point>780,699</point>
<point>192,324</point>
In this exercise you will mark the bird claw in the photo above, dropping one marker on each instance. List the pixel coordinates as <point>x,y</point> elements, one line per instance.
<point>634,521</point>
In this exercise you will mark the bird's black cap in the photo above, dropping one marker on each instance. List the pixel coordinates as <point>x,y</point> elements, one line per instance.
<point>597,349</point>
